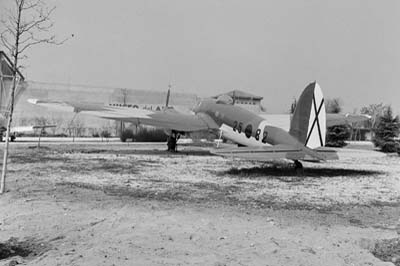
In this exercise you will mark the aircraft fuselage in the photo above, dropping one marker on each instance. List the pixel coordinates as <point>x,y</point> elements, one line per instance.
<point>244,127</point>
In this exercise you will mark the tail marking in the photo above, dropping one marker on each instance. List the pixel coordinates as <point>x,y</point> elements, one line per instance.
<point>316,121</point>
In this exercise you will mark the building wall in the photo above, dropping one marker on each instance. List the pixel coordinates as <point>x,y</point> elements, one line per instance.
<point>250,104</point>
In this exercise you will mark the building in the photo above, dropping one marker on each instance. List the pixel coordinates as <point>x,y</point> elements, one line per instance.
<point>246,100</point>
<point>70,123</point>
<point>6,83</point>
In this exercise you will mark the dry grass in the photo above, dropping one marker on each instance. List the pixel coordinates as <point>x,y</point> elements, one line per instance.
<point>195,175</point>
<point>95,197</point>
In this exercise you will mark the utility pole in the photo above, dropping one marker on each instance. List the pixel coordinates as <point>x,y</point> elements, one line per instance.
<point>124,93</point>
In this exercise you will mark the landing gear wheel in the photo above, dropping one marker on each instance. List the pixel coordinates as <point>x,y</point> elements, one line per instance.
<point>172,141</point>
<point>298,166</point>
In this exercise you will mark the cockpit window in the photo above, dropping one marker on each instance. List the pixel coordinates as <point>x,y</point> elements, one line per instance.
<point>224,99</point>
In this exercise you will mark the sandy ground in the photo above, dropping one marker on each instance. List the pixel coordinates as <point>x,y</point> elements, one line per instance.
<point>112,204</point>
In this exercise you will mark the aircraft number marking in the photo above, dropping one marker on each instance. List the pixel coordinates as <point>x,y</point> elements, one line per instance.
<point>265,136</point>
<point>235,124</point>
<point>257,136</point>
<point>238,127</point>
<point>261,133</point>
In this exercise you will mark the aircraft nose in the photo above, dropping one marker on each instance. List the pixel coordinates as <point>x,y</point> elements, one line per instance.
<point>197,107</point>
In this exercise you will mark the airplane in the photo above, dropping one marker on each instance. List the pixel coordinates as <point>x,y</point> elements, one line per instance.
<point>257,137</point>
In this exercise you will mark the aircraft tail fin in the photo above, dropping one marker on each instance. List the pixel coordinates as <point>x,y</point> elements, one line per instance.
<point>308,123</point>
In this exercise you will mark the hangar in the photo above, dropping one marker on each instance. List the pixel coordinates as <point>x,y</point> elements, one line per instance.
<point>246,100</point>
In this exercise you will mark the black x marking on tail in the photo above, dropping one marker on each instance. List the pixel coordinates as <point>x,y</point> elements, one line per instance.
<point>316,121</point>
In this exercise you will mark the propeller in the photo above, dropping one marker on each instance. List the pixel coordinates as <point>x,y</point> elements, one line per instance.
<point>168,94</point>
<point>219,140</point>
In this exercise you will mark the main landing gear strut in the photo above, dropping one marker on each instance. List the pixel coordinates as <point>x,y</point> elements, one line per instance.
<point>172,141</point>
<point>298,166</point>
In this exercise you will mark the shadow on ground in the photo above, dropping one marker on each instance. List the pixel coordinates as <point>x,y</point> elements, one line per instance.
<point>25,248</point>
<point>291,172</point>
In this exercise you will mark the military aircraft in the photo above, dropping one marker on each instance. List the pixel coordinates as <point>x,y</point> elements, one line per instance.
<point>257,137</point>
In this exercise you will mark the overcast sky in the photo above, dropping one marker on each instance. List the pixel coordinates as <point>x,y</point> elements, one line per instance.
<point>269,48</point>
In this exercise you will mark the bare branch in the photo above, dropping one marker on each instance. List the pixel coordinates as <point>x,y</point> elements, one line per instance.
<point>6,43</point>
<point>25,27</point>
<point>32,5</point>
<point>50,40</point>
<point>10,30</point>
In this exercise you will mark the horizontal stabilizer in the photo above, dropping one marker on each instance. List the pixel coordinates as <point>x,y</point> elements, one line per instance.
<point>345,119</point>
<point>269,153</point>
<point>351,154</point>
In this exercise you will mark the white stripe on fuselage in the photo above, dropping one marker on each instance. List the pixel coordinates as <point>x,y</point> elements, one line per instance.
<point>240,138</point>
<point>261,127</point>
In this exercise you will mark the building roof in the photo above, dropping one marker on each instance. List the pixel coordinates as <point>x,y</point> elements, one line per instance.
<point>238,94</point>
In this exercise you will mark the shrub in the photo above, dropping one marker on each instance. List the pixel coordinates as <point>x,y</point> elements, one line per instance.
<point>105,134</point>
<point>389,146</point>
<point>126,134</point>
<point>144,135</point>
<point>150,135</point>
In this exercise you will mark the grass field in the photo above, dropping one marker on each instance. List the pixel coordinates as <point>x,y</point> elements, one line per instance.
<point>105,204</point>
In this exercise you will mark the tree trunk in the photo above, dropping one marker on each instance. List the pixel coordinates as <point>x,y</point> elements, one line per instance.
<point>11,110</point>
<point>7,140</point>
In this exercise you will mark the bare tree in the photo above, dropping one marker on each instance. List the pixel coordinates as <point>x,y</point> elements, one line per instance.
<point>27,23</point>
<point>57,121</point>
<point>333,106</point>
<point>375,111</point>
<point>293,106</point>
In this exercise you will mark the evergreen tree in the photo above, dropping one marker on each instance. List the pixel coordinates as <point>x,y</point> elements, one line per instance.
<point>386,131</point>
<point>336,135</point>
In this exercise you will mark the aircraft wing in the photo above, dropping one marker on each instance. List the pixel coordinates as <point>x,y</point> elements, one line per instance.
<point>24,129</point>
<point>167,119</point>
<point>283,120</point>
<point>42,126</point>
<point>344,119</point>
<point>269,153</point>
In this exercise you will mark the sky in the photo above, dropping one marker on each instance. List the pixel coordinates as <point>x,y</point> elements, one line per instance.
<point>269,48</point>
